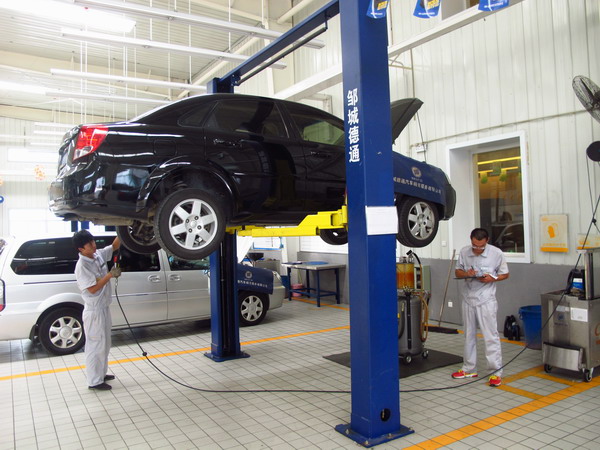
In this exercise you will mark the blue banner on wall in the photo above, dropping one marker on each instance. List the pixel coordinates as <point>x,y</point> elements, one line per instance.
<point>426,9</point>
<point>377,9</point>
<point>492,5</point>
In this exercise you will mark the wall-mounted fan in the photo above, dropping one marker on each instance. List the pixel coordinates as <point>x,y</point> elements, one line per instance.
<point>588,94</point>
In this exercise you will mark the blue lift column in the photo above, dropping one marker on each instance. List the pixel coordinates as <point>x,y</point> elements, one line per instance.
<point>372,219</point>
<point>224,320</point>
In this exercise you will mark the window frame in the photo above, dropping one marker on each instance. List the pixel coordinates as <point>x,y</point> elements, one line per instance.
<point>462,174</point>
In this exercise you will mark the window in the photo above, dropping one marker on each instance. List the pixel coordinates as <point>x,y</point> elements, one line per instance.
<point>501,198</point>
<point>182,264</point>
<point>59,256</point>
<point>490,179</point>
<point>248,116</point>
<point>316,128</point>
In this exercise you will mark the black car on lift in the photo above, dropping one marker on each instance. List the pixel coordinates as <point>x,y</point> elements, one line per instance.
<point>176,176</point>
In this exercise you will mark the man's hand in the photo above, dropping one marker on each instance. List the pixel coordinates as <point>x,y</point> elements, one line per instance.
<point>115,272</point>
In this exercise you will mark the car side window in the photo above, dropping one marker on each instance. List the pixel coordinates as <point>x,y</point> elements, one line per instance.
<point>181,264</point>
<point>135,262</point>
<point>196,117</point>
<point>248,116</point>
<point>316,127</point>
<point>45,257</point>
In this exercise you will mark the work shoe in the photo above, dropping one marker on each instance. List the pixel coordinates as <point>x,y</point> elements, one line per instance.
<point>101,387</point>
<point>462,374</point>
<point>109,377</point>
<point>495,381</point>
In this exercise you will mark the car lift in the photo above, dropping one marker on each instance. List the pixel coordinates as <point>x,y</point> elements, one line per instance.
<point>375,409</point>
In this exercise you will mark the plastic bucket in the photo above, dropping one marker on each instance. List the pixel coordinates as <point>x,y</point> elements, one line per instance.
<point>532,322</point>
<point>297,286</point>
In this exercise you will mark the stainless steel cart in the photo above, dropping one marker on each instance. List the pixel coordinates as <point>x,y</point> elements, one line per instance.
<point>571,338</point>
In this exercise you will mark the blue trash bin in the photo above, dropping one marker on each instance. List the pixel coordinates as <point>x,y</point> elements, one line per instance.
<point>532,322</point>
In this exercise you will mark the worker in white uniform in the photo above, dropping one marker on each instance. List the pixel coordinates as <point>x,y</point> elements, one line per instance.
<point>481,265</point>
<point>93,279</point>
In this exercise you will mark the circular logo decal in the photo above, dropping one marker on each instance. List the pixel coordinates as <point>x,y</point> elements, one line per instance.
<point>416,172</point>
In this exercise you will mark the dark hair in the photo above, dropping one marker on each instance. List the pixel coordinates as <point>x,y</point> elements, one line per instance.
<point>81,238</point>
<point>479,234</point>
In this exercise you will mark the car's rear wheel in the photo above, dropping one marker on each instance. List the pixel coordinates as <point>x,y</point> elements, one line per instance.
<point>418,222</point>
<point>138,237</point>
<point>189,224</point>
<point>336,236</point>
<point>253,307</point>
<point>61,331</point>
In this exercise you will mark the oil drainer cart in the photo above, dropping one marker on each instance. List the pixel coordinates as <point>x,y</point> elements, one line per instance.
<point>571,338</point>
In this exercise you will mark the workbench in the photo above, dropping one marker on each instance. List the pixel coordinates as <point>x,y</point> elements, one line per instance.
<point>316,267</point>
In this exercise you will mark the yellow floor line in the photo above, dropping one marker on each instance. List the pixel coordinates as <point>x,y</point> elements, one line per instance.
<point>513,413</point>
<point>162,355</point>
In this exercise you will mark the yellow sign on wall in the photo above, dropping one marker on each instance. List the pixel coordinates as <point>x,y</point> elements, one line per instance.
<point>554,233</point>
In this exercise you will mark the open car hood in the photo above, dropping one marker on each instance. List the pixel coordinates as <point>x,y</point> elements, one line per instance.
<point>402,111</point>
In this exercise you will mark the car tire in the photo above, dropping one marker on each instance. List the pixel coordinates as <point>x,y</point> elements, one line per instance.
<point>61,331</point>
<point>418,222</point>
<point>253,307</point>
<point>138,238</point>
<point>205,227</point>
<point>334,236</point>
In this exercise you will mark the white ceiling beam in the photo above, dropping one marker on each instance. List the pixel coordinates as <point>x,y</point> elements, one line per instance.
<point>106,98</point>
<point>332,76</point>
<point>190,19</point>
<point>446,26</point>
<point>122,79</point>
<point>228,10</point>
<point>294,10</point>
<point>91,36</point>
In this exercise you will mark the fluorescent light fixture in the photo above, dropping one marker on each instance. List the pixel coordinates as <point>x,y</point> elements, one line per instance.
<point>20,87</point>
<point>190,19</point>
<point>122,79</point>
<point>92,36</point>
<point>69,13</point>
<point>49,132</point>
<point>106,98</point>
<point>44,144</point>
<point>54,125</point>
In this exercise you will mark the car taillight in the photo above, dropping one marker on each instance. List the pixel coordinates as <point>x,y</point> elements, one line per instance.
<point>89,139</point>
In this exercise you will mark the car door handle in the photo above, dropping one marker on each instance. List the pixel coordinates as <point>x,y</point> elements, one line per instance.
<point>320,154</point>
<point>154,278</point>
<point>175,277</point>
<point>224,143</point>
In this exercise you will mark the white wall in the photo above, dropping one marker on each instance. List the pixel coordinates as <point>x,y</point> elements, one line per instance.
<point>509,73</point>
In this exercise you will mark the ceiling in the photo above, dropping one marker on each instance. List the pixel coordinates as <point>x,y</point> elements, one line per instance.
<point>35,43</point>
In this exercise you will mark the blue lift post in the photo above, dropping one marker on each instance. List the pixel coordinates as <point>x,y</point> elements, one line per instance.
<point>224,320</point>
<point>372,228</point>
<point>375,415</point>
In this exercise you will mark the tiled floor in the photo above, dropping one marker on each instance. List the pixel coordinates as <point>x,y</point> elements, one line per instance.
<point>46,403</point>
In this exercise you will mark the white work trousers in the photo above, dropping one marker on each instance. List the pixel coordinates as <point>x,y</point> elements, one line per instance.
<point>97,323</point>
<point>485,316</point>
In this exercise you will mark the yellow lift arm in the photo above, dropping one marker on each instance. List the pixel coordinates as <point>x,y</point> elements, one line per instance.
<point>310,226</point>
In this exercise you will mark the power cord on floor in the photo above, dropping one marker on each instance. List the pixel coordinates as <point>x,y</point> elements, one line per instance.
<point>217,391</point>
<point>314,391</point>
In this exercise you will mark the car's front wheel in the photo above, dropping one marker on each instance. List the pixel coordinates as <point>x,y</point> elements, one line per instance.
<point>418,222</point>
<point>189,224</point>
<point>61,331</point>
<point>253,307</point>
<point>138,237</point>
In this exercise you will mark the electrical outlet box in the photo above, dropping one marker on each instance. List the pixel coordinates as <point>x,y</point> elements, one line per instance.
<point>450,304</point>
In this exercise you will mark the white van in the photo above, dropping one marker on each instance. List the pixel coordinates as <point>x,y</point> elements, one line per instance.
<point>39,298</point>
